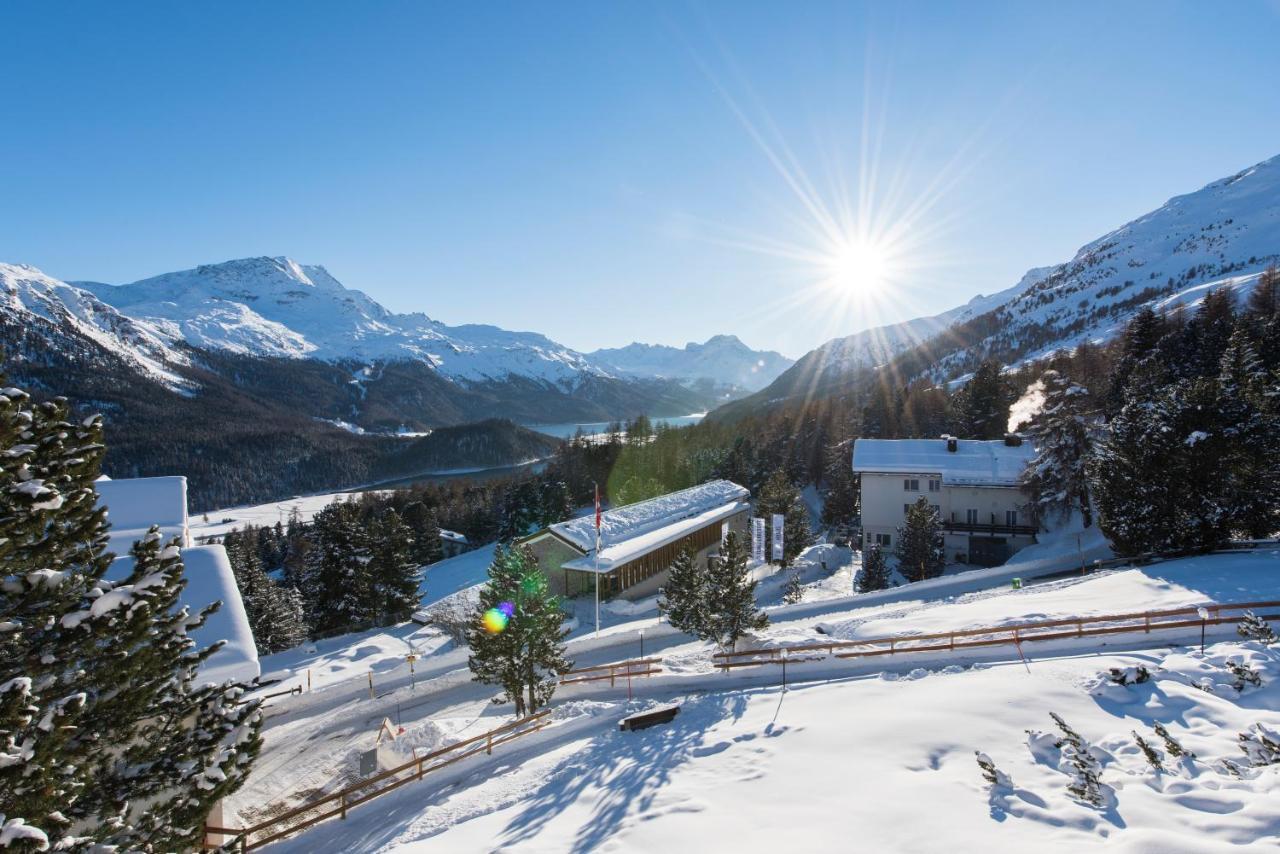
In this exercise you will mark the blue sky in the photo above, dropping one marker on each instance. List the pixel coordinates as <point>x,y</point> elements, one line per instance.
<point>610,172</point>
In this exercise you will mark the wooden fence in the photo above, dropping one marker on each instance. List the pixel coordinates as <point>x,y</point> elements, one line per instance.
<point>613,672</point>
<point>1014,634</point>
<point>339,802</point>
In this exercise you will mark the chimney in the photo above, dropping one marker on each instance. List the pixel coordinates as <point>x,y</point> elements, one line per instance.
<point>1013,440</point>
<point>951,444</point>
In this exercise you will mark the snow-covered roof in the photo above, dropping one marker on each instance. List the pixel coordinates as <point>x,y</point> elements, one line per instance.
<point>635,529</point>
<point>973,463</point>
<point>209,579</point>
<point>135,504</point>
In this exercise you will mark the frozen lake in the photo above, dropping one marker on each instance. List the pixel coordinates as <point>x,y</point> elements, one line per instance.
<point>566,431</point>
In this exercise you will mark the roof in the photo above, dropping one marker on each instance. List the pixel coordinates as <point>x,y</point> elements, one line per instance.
<point>974,462</point>
<point>209,579</point>
<point>135,504</point>
<point>635,529</point>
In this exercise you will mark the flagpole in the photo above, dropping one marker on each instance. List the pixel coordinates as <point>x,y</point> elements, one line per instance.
<point>597,486</point>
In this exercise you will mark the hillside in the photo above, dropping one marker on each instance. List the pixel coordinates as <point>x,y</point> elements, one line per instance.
<point>1221,235</point>
<point>487,444</point>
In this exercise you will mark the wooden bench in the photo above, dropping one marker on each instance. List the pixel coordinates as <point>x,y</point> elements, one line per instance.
<point>660,715</point>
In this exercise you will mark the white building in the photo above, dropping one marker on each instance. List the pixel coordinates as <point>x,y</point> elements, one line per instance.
<point>133,506</point>
<point>639,541</point>
<point>974,486</point>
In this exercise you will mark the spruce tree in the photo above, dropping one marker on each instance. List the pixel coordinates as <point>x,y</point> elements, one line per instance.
<point>1057,478</point>
<point>920,552</point>
<point>793,592</point>
<point>336,583</point>
<point>874,574</point>
<point>393,576</point>
<point>684,594</point>
<point>982,405</point>
<point>779,495</point>
<point>428,547</point>
<point>104,736</point>
<point>842,503</point>
<point>1137,344</point>
<point>516,638</point>
<point>731,595</point>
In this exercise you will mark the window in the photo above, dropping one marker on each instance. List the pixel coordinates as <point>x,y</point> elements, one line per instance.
<point>935,485</point>
<point>1011,517</point>
<point>878,540</point>
<point>911,484</point>
<point>971,516</point>
<point>906,508</point>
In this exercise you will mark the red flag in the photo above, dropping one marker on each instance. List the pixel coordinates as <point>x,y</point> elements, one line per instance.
<point>598,514</point>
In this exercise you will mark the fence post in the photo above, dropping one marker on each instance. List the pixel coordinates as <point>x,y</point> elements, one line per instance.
<point>370,684</point>
<point>1147,622</point>
<point>342,804</point>
<point>953,641</point>
<point>488,746</point>
<point>1079,628</point>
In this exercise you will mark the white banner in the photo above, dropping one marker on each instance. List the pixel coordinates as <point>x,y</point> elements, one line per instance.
<point>778,522</point>
<point>757,539</point>
<point>724,532</point>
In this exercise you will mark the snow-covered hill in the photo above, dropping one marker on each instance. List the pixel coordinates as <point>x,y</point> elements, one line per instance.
<point>278,307</point>
<point>724,359</point>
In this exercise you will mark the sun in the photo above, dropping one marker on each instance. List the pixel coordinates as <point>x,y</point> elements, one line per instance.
<point>858,265</point>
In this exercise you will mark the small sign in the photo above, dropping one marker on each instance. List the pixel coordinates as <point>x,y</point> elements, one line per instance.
<point>778,523</point>
<point>757,539</point>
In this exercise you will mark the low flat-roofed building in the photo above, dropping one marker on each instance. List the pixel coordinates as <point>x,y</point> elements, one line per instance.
<point>974,485</point>
<point>639,541</point>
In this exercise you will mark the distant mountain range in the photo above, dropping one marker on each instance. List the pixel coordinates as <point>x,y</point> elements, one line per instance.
<point>723,359</point>
<point>271,353</point>
<point>1222,235</point>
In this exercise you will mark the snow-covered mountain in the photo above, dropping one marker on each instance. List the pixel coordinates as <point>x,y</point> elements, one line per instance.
<point>723,359</point>
<point>278,307</point>
<point>1222,235</point>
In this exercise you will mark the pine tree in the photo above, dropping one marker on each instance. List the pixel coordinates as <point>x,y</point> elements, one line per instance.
<point>516,639</point>
<point>1086,783</point>
<point>1153,757</point>
<point>778,495</point>
<point>393,575</point>
<point>428,547</point>
<point>793,592</point>
<point>684,594</point>
<point>1171,744</point>
<point>336,582</point>
<point>842,503</point>
<point>920,552</point>
<point>1253,627</point>
<point>731,595</point>
<point>874,574</point>
<point>982,406</point>
<point>1137,345</point>
<point>104,737</point>
<point>1057,478</point>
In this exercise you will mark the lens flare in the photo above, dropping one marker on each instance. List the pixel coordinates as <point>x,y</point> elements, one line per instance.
<point>495,620</point>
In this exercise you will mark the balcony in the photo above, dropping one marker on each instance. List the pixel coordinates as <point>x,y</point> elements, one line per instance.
<point>990,529</point>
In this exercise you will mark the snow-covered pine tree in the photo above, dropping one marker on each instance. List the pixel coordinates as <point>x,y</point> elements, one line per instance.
<point>1086,773</point>
<point>920,552</point>
<point>1171,744</point>
<point>874,574</point>
<point>393,573</point>
<point>335,583</point>
<point>103,737</point>
<point>516,637</point>
<point>793,592</point>
<point>1253,627</point>
<point>684,594</point>
<point>1137,344</point>
<point>1153,757</point>
<point>1057,478</point>
<point>991,773</point>
<point>554,503</point>
<point>1250,466</point>
<point>1243,675</point>
<point>731,595</point>
<point>779,495</point>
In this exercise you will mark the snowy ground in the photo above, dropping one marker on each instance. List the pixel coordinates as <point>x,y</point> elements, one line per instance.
<point>579,785</point>
<point>217,523</point>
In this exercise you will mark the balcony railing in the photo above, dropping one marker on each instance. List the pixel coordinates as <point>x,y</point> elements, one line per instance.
<point>993,528</point>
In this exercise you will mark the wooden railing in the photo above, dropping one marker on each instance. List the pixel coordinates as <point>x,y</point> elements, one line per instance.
<point>339,802</point>
<point>1015,634</point>
<point>613,672</point>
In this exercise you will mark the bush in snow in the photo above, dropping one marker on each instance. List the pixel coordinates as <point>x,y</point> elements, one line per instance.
<point>874,574</point>
<point>1086,782</point>
<point>1154,759</point>
<point>991,773</point>
<point>1261,746</point>
<point>1176,750</point>
<point>106,738</point>
<point>1244,675</point>
<point>794,590</point>
<point>1129,675</point>
<point>1253,627</point>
